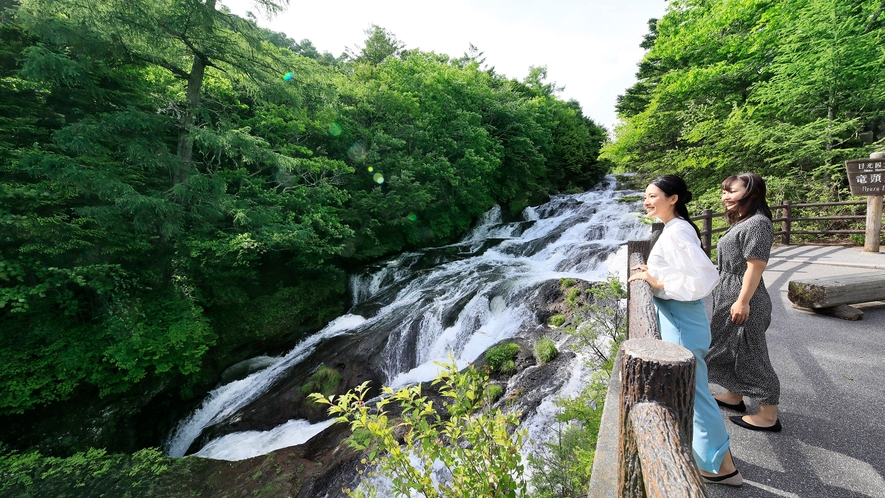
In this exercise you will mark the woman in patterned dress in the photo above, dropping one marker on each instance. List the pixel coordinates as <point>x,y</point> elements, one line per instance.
<point>738,358</point>
<point>681,275</point>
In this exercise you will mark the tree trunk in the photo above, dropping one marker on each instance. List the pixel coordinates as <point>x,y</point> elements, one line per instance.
<point>194,89</point>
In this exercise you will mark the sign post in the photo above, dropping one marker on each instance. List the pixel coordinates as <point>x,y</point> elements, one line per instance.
<point>867,177</point>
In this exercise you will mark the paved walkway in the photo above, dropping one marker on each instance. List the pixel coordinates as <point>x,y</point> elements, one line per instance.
<point>832,375</point>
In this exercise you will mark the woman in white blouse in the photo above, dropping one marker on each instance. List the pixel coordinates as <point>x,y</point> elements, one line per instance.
<point>681,275</point>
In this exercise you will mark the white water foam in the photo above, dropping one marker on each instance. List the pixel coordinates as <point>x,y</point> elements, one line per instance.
<point>248,444</point>
<point>234,395</point>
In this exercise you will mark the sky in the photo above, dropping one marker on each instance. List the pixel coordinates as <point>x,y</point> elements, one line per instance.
<point>590,47</point>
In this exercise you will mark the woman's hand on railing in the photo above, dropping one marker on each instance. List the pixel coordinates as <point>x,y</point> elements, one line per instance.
<point>644,275</point>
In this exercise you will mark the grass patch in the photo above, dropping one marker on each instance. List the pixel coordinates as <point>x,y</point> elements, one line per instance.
<point>324,381</point>
<point>494,393</point>
<point>500,358</point>
<point>545,350</point>
<point>565,283</point>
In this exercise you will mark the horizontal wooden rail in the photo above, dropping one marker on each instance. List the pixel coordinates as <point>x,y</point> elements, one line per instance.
<point>825,218</point>
<point>786,220</point>
<point>821,232</point>
<point>819,204</point>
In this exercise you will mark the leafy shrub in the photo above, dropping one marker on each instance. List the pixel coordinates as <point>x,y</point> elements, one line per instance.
<point>497,356</point>
<point>508,367</point>
<point>602,323</point>
<point>474,443</point>
<point>563,464</point>
<point>545,350</point>
<point>91,473</point>
<point>557,320</point>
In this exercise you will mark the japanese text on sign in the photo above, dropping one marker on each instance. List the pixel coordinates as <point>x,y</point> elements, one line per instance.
<point>866,176</point>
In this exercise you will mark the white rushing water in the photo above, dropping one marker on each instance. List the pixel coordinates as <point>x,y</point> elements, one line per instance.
<point>234,395</point>
<point>456,301</point>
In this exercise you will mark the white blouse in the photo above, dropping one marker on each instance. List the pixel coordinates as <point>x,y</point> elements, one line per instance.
<point>679,261</point>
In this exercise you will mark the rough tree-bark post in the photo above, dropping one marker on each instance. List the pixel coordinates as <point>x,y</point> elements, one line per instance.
<point>874,217</point>
<point>654,371</point>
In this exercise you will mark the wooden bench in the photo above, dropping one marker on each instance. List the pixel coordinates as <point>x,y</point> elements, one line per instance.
<point>832,295</point>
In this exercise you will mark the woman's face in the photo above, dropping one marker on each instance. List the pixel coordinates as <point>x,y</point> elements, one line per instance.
<point>731,195</point>
<point>657,203</point>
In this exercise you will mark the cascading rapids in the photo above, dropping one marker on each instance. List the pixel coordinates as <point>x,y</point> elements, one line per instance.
<point>455,300</point>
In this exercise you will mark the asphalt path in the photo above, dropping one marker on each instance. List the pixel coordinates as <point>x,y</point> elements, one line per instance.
<point>832,374</point>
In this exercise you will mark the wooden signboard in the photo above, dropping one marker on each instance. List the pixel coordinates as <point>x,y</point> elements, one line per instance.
<point>866,176</point>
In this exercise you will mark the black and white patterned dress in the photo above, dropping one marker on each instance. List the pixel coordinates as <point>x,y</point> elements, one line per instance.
<point>738,357</point>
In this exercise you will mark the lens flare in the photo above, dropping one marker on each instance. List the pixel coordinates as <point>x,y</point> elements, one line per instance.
<point>370,169</point>
<point>357,152</point>
<point>335,129</point>
<point>379,178</point>
<point>412,217</point>
<point>283,177</point>
<point>288,76</point>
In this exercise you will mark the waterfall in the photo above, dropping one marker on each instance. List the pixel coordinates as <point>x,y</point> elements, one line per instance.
<point>455,300</point>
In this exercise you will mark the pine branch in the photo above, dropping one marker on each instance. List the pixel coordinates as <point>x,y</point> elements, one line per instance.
<point>874,17</point>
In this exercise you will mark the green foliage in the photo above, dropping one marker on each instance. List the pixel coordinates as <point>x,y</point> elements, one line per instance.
<point>545,350</point>
<point>565,283</point>
<point>494,393</point>
<point>472,441</point>
<point>114,276</point>
<point>557,320</point>
<point>91,473</point>
<point>573,296</point>
<point>601,320</point>
<point>500,357</point>
<point>788,90</point>
<point>563,465</point>
<point>508,367</point>
<point>379,45</point>
<point>324,381</point>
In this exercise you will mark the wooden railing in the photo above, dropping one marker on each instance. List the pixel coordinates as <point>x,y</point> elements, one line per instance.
<point>644,446</point>
<point>786,220</point>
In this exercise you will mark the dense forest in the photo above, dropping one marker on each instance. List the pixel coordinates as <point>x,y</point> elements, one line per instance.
<point>181,189</point>
<point>789,89</point>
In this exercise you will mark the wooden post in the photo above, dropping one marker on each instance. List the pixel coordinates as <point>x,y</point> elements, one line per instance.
<point>707,231</point>
<point>652,371</point>
<point>874,217</point>
<point>874,224</point>
<point>785,225</point>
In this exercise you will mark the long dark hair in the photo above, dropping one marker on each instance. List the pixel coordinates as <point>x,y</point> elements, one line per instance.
<point>672,184</point>
<point>752,202</point>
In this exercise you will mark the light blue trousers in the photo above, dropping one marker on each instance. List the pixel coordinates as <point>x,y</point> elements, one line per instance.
<point>686,323</point>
